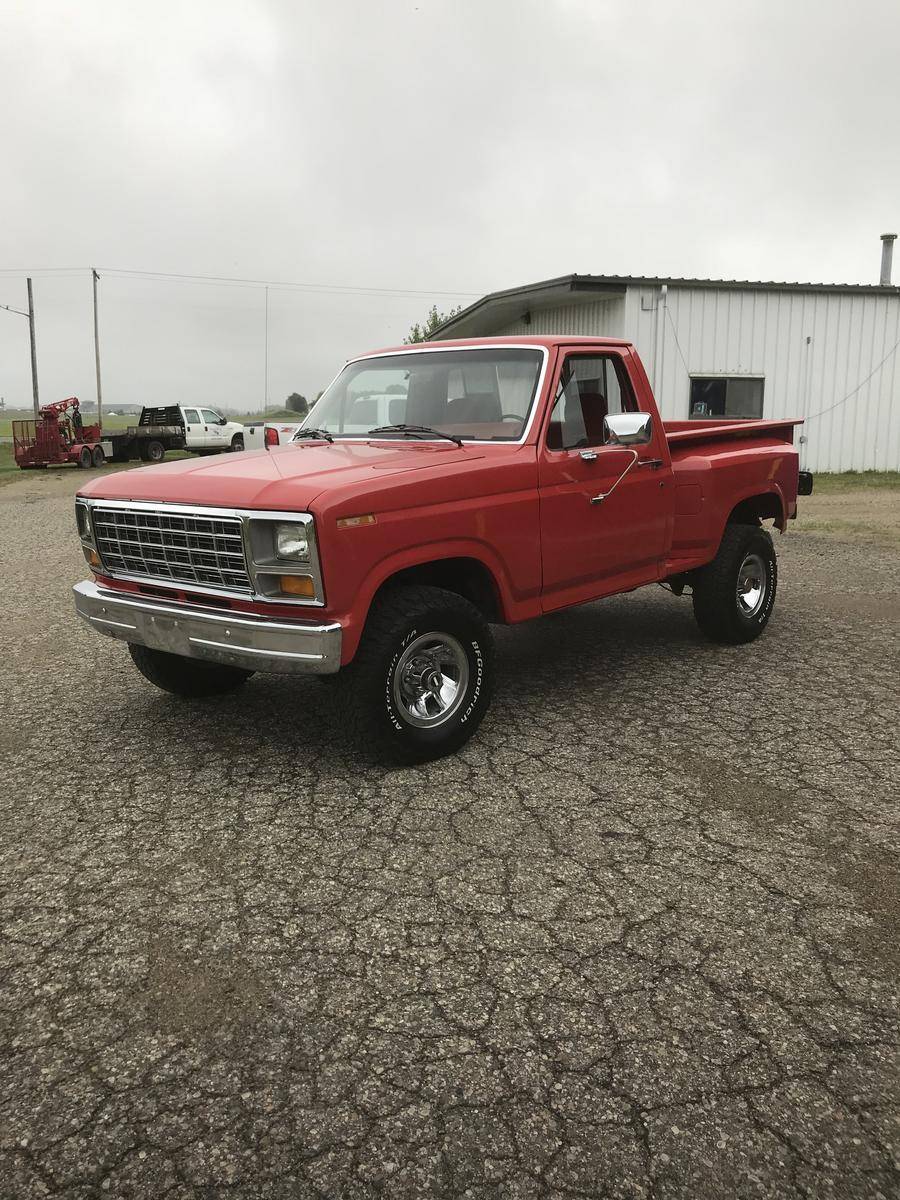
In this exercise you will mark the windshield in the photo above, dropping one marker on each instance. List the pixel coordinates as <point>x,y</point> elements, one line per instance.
<point>484,395</point>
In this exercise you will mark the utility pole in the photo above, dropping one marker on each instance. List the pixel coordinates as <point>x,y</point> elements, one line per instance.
<point>95,277</point>
<point>266,396</point>
<point>34,382</point>
<point>29,316</point>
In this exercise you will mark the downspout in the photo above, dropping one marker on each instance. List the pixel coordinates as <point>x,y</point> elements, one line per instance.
<point>659,365</point>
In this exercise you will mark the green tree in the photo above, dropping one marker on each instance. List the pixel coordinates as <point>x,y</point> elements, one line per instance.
<point>297,403</point>
<point>421,333</point>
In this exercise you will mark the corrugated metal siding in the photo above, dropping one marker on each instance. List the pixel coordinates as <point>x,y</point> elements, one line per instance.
<point>600,318</point>
<point>829,357</point>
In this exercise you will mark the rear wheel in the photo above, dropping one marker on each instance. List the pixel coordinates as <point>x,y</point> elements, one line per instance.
<point>189,677</point>
<point>734,595</point>
<point>420,684</point>
<point>153,452</point>
<point>98,458</point>
<point>84,457</point>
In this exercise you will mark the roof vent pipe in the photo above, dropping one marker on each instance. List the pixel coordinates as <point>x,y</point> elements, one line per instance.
<point>887,253</point>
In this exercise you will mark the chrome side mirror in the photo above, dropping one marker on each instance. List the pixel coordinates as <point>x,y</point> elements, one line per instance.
<point>627,429</point>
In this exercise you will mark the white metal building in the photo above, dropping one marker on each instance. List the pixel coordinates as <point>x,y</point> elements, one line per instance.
<point>826,352</point>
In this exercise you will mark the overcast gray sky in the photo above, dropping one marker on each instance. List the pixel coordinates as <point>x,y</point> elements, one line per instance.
<point>418,147</point>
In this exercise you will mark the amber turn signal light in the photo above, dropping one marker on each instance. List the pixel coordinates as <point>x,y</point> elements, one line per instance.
<point>298,585</point>
<point>353,522</point>
<point>91,557</point>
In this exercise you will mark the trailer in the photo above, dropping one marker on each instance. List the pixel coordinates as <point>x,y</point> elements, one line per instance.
<point>60,437</point>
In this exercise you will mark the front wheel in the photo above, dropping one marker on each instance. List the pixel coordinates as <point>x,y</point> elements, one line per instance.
<point>420,684</point>
<point>189,677</point>
<point>237,443</point>
<point>734,595</point>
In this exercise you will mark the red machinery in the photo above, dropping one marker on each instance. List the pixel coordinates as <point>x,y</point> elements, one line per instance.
<point>58,437</point>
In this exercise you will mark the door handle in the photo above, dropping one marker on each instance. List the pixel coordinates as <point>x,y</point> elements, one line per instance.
<point>604,495</point>
<point>589,455</point>
<point>650,462</point>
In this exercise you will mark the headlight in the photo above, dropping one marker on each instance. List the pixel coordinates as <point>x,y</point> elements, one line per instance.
<point>283,557</point>
<point>291,542</point>
<point>84,523</point>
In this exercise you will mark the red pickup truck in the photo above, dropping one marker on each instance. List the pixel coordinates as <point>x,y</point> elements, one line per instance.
<point>434,490</point>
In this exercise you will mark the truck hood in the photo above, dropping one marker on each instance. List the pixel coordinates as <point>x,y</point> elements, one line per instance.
<point>287,478</point>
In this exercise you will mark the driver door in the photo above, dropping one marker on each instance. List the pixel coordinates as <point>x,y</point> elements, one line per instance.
<point>592,548</point>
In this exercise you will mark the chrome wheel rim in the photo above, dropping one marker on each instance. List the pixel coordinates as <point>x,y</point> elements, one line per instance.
<point>430,679</point>
<point>751,586</point>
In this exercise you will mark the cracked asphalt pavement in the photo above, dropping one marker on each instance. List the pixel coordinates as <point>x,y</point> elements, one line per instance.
<point>639,939</point>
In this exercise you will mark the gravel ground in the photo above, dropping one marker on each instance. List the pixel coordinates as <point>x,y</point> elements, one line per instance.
<point>639,939</point>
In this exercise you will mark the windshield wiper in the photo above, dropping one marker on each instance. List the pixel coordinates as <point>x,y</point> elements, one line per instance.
<point>412,430</point>
<point>312,432</point>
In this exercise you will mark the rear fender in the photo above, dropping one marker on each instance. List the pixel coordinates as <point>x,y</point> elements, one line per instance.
<point>761,505</point>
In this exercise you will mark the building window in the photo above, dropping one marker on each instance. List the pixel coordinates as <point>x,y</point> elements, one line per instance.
<point>722,397</point>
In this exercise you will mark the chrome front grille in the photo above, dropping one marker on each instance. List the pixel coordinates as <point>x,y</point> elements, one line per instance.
<point>207,551</point>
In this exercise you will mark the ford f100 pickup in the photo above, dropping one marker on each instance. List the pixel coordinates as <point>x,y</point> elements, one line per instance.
<point>433,491</point>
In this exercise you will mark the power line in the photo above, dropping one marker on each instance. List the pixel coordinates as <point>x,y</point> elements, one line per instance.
<point>237,281</point>
<point>274,283</point>
<point>677,343</point>
<point>850,395</point>
<point>24,271</point>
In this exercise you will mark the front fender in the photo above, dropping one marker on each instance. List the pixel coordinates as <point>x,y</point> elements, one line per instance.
<point>512,608</point>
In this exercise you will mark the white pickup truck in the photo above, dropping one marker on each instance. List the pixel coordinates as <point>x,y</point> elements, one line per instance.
<point>208,432</point>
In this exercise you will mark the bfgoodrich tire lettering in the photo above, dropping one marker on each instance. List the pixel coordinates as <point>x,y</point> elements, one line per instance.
<point>735,594</point>
<point>420,684</point>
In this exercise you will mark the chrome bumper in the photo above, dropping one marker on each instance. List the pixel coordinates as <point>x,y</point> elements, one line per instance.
<point>240,640</point>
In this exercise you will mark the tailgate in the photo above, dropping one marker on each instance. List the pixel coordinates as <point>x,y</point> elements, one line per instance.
<point>280,433</point>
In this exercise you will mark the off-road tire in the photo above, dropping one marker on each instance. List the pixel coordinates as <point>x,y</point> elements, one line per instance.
<point>717,608</point>
<point>237,443</point>
<point>368,706</point>
<point>191,678</point>
<point>98,458</point>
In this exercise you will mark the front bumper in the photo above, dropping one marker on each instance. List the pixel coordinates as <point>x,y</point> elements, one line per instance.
<point>238,640</point>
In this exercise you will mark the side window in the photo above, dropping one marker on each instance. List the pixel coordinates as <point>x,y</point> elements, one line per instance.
<point>591,388</point>
<point>210,417</point>
<point>191,416</point>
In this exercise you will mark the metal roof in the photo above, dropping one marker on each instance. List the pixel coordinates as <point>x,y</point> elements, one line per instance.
<point>564,288</point>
